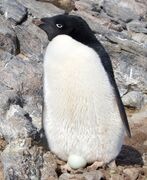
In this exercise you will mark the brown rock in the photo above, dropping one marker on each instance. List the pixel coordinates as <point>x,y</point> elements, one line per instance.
<point>49,167</point>
<point>67,5</point>
<point>132,173</point>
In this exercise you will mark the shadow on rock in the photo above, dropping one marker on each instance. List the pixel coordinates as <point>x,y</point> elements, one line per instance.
<point>129,156</point>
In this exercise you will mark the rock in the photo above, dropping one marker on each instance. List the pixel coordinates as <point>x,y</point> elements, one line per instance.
<point>124,10</point>
<point>39,9</point>
<point>137,26</point>
<point>116,177</point>
<point>32,41</point>
<point>133,99</point>
<point>98,175</point>
<point>49,166</point>
<point>139,37</point>
<point>130,72</point>
<point>132,173</point>
<point>1,172</point>
<point>33,107</point>
<point>15,125</point>
<point>19,113</point>
<point>127,44</point>
<point>14,10</point>
<point>8,38</point>
<point>22,76</point>
<point>67,5</point>
<point>21,161</point>
<point>3,144</point>
<point>67,176</point>
<point>145,143</point>
<point>97,7</point>
<point>144,157</point>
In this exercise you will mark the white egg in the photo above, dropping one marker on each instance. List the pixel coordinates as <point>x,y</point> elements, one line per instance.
<point>75,161</point>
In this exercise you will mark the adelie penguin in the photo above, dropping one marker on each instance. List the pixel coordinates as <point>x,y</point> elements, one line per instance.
<point>84,118</point>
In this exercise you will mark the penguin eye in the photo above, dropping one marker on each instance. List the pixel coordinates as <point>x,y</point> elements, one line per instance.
<point>59,26</point>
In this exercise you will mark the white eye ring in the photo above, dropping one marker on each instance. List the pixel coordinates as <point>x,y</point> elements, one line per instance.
<point>59,26</point>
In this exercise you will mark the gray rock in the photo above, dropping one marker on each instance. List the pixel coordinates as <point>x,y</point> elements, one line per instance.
<point>21,161</point>
<point>124,10</point>
<point>93,175</point>
<point>139,37</point>
<point>14,10</point>
<point>137,26</point>
<point>67,176</point>
<point>8,39</point>
<point>130,71</point>
<point>127,43</point>
<point>19,75</point>
<point>33,107</point>
<point>40,9</point>
<point>98,175</point>
<point>16,125</point>
<point>133,99</point>
<point>21,80</point>
<point>32,41</point>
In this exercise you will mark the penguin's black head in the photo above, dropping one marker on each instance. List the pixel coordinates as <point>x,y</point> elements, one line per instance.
<point>71,25</point>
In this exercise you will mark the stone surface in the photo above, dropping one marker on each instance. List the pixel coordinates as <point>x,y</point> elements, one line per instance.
<point>127,44</point>
<point>137,26</point>
<point>133,99</point>
<point>132,173</point>
<point>32,41</point>
<point>49,166</point>
<point>20,75</point>
<point>40,9</point>
<point>125,10</point>
<point>130,71</point>
<point>14,10</point>
<point>144,157</point>
<point>16,125</point>
<point>29,161</point>
<point>8,38</point>
<point>93,175</point>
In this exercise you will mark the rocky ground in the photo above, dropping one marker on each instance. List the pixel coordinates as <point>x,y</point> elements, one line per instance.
<point>121,26</point>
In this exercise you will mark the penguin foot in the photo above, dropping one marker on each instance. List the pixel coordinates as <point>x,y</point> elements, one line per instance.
<point>95,165</point>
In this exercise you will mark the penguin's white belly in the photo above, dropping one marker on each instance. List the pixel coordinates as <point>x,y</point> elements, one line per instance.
<point>81,116</point>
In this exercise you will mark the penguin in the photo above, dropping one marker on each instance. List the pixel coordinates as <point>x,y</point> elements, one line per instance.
<point>84,118</point>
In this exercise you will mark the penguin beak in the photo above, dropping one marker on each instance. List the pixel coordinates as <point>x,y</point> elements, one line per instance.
<point>37,21</point>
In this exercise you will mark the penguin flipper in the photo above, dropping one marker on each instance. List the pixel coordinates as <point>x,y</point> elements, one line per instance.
<point>105,59</point>
<point>121,108</point>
